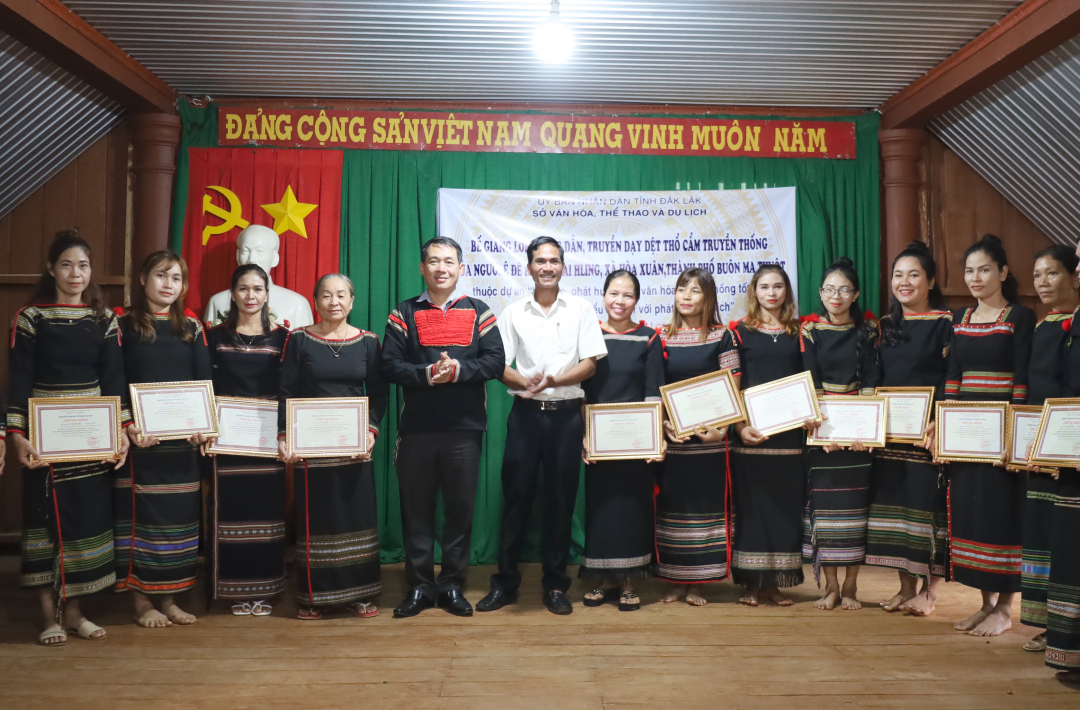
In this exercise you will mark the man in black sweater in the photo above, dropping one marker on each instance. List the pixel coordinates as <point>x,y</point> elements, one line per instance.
<point>441,348</point>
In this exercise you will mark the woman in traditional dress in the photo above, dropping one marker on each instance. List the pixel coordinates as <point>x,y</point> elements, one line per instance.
<point>908,526</point>
<point>692,508</point>
<point>158,500</point>
<point>767,471</point>
<point>619,494</point>
<point>336,517</point>
<point>990,353</point>
<point>840,351</point>
<point>248,546</point>
<point>1056,284</point>
<point>65,344</point>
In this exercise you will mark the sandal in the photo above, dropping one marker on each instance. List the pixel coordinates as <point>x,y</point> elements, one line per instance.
<point>629,601</point>
<point>241,609</point>
<point>309,613</point>
<point>365,610</point>
<point>53,632</point>
<point>1036,644</point>
<point>261,608</point>
<point>606,595</point>
<point>87,629</point>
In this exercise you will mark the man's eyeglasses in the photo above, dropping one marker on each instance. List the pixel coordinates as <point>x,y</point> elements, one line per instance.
<point>843,291</point>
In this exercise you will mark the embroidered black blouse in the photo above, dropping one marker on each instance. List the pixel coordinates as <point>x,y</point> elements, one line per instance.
<point>989,361</point>
<point>838,362</point>
<point>245,365</point>
<point>632,371</point>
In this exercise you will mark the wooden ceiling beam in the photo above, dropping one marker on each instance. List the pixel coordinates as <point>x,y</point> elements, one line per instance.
<point>51,29</point>
<point>1025,34</point>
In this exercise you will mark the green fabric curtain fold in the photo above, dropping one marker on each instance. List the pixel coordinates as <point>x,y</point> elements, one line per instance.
<point>388,211</point>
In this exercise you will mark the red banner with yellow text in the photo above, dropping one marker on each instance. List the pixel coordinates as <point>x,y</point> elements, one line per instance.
<point>297,193</point>
<point>534,133</point>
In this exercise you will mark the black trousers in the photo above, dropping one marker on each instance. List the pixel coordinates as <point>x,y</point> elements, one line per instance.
<point>428,463</point>
<point>535,438</point>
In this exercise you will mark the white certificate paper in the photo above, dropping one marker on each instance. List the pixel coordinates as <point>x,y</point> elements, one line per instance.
<point>908,413</point>
<point>624,431</point>
<point>174,410</point>
<point>851,419</point>
<point>327,427</point>
<point>781,405</point>
<point>971,433</point>
<point>1024,427</point>
<point>86,429</point>
<point>709,399</point>
<point>246,427</point>
<point>1058,440</point>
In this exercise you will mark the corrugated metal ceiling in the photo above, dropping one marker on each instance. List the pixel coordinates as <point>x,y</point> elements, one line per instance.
<point>47,117</point>
<point>1020,134</point>
<point>827,53</point>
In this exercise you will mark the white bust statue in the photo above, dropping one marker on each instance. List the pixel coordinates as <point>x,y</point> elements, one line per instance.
<point>259,245</point>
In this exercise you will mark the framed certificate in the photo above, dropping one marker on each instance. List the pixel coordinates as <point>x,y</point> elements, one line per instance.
<point>246,427</point>
<point>711,399</point>
<point>325,427</point>
<point>174,410</point>
<point>617,432</point>
<point>909,413</point>
<point>75,428</point>
<point>971,431</point>
<point>851,419</point>
<point>1020,431</point>
<point>1057,442</point>
<point>781,405</point>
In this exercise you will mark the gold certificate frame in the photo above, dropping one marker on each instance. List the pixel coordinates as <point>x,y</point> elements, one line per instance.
<point>871,413</point>
<point>321,427</point>
<point>168,402</point>
<point>66,429</point>
<point>924,395</point>
<point>1057,443</point>
<point>251,443</point>
<point>804,405</point>
<point>624,431</point>
<point>985,417</point>
<point>1020,432</point>
<point>711,399</point>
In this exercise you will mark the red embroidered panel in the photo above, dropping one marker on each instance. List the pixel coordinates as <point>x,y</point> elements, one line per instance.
<point>439,330</point>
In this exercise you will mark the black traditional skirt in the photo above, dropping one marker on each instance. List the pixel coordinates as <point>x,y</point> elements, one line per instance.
<point>909,524</point>
<point>67,539</point>
<point>248,548</point>
<point>618,521</point>
<point>838,503</point>
<point>769,490</point>
<point>337,535</point>
<point>1063,591</point>
<point>158,505</point>
<point>1035,570</point>
<point>986,511</point>
<point>692,513</point>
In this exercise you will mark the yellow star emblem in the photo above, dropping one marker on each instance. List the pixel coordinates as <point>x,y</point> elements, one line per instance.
<point>289,214</point>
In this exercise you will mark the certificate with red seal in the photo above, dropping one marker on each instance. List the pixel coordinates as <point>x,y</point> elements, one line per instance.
<point>781,405</point>
<point>971,431</point>
<point>851,419</point>
<point>1057,442</point>
<point>326,427</point>
<point>707,400</point>
<point>174,410</point>
<point>623,431</point>
<point>246,427</point>
<point>75,428</point>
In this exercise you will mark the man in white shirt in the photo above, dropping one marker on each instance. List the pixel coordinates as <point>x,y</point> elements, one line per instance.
<point>556,340</point>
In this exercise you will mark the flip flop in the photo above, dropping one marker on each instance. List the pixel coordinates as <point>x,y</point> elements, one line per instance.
<point>629,601</point>
<point>241,609</point>
<point>364,610</point>
<point>260,609</point>
<point>54,631</point>
<point>86,628</point>
<point>309,613</point>
<point>608,595</point>
<point>1036,645</point>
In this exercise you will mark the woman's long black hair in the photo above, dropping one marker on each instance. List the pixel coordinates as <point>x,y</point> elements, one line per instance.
<point>846,268</point>
<point>45,291</point>
<point>232,318</point>
<point>991,246</point>
<point>892,328</point>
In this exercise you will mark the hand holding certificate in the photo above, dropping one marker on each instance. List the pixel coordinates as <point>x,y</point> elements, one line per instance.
<point>782,405</point>
<point>167,411</point>
<point>327,427</point>
<point>709,400</point>
<point>248,427</point>
<point>851,420</point>
<point>1057,441</point>
<point>75,429</point>
<point>909,413</point>
<point>618,432</point>
<point>1020,433</point>
<point>971,431</point>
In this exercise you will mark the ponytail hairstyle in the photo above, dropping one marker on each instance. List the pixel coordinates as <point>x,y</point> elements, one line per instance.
<point>991,246</point>
<point>704,281</point>
<point>1062,255</point>
<point>892,328</point>
<point>45,291</point>
<point>789,319</point>
<point>232,319</point>
<point>141,316</point>
<point>846,268</point>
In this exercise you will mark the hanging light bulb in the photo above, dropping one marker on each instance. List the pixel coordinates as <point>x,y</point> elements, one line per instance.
<point>554,41</point>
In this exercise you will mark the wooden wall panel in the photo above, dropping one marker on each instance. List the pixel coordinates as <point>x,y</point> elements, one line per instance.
<point>89,193</point>
<point>961,208</point>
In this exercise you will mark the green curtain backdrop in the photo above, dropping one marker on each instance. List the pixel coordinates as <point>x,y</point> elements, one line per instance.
<point>388,211</point>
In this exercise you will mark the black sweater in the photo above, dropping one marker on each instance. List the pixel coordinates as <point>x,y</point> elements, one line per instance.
<point>416,334</point>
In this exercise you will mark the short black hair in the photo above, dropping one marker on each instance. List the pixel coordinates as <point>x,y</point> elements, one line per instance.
<point>443,242</point>
<point>620,273</point>
<point>539,242</point>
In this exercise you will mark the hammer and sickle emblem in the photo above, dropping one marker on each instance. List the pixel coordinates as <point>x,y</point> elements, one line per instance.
<point>230,219</point>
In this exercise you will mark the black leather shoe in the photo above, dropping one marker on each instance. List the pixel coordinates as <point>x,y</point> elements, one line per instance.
<point>455,603</point>
<point>557,603</point>
<point>496,599</point>
<point>413,604</point>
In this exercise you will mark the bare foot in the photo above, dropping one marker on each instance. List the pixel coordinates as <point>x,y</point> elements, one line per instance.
<point>974,620</point>
<point>898,601</point>
<point>177,615</point>
<point>153,619</point>
<point>676,593</point>
<point>695,599</point>
<point>750,598</point>
<point>994,624</point>
<point>828,602</point>
<point>921,605</point>
<point>849,594</point>
<point>777,597</point>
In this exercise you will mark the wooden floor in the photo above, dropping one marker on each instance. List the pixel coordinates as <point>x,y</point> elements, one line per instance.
<point>522,657</point>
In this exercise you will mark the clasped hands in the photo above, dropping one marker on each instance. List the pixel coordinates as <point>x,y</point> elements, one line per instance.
<point>444,369</point>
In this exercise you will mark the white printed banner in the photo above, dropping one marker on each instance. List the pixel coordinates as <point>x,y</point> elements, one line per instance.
<point>655,235</point>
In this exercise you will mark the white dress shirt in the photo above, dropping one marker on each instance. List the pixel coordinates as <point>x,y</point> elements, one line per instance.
<point>454,298</point>
<point>551,343</point>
